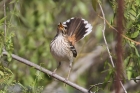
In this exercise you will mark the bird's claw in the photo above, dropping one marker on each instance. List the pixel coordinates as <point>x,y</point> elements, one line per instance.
<point>53,73</point>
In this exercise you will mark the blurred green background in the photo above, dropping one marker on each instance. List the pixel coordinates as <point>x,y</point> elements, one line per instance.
<point>32,24</point>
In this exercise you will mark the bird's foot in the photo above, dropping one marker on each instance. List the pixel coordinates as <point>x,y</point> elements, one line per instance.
<point>66,79</point>
<point>53,73</point>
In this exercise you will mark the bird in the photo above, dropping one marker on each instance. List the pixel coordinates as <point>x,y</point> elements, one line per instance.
<point>62,46</point>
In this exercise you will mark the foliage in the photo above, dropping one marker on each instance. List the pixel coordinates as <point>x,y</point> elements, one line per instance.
<point>132,17</point>
<point>132,51</point>
<point>31,25</point>
<point>131,30</point>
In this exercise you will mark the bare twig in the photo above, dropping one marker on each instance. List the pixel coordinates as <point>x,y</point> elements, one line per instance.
<point>5,19</point>
<point>29,63</point>
<point>137,43</point>
<point>4,10</point>
<point>103,31</point>
<point>130,84</point>
<point>132,79</point>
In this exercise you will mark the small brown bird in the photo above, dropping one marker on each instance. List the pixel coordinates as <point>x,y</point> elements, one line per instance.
<point>68,33</point>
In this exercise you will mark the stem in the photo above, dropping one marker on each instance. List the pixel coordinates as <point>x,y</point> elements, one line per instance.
<point>4,10</point>
<point>103,31</point>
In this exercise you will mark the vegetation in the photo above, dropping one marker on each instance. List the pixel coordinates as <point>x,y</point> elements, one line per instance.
<point>30,27</point>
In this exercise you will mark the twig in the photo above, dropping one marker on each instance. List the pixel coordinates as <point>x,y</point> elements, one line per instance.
<point>4,24</point>
<point>130,84</point>
<point>137,43</point>
<point>109,82</point>
<point>29,63</point>
<point>103,31</point>
<point>4,20</point>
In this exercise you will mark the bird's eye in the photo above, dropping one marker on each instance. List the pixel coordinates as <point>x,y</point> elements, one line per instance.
<point>65,27</point>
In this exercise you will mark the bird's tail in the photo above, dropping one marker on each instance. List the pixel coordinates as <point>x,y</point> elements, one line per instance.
<point>77,28</point>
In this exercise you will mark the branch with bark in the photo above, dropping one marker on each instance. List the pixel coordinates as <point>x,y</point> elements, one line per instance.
<point>29,63</point>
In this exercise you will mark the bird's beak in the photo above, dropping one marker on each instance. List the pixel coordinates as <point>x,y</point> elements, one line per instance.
<point>60,26</point>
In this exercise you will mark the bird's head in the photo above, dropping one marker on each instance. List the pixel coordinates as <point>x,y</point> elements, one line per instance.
<point>62,28</point>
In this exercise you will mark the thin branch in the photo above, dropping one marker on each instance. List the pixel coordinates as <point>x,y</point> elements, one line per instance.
<point>4,10</point>
<point>110,82</point>
<point>29,63</point>
<point>103,31</point>
<point>130,84</point>
<point>4,20</point>
<point>137,43</point>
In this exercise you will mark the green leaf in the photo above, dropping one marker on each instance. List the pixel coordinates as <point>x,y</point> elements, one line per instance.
<point>129,72</point>
<point>126,61</point>
<point>136,51</point>
<point>1,74</point>
<point>107,78</point>
<point>2,20</point>
<point>137,2</point>
<point>132,15</point>
<point>9,57</point>
<point>14,1</point>
<point>133,46</point>
<point>94,4</point>
<point>135,34</point>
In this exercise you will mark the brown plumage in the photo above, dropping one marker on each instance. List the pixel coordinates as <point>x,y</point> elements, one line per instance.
<point>76,29</point>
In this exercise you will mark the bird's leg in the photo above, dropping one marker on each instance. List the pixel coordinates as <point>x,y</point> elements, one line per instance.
<point>59,64</point>
<point>70,67</point>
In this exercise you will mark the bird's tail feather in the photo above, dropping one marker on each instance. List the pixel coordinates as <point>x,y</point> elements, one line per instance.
<point>77,28</point>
